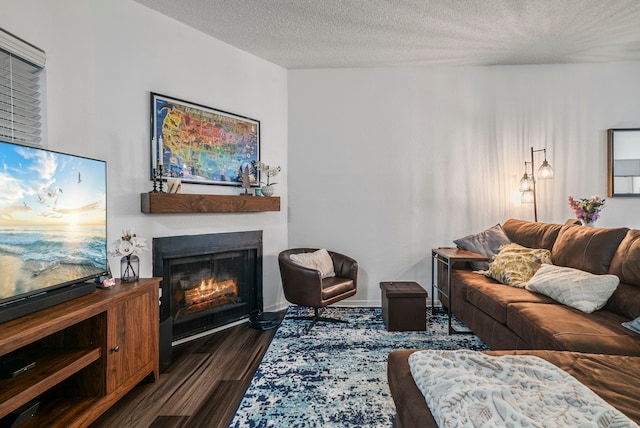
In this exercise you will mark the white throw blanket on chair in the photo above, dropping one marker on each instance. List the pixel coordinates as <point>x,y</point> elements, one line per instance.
<point>472,389</point>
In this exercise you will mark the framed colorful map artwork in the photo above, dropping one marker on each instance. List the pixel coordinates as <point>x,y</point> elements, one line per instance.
<point>202,145</point>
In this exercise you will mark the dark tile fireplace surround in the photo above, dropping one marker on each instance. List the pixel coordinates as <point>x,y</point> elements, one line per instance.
<point>209,280</point>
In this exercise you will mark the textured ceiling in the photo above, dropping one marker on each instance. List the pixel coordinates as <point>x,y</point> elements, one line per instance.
<point>370,33</point>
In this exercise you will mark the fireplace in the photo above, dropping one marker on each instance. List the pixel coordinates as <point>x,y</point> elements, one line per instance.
<point>208,281</point>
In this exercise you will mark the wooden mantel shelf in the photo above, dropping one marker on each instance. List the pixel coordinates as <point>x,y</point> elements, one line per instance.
<point>172,203</point>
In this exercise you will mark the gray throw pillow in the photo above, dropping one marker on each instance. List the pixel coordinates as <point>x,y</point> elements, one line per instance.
<point>487,243</point>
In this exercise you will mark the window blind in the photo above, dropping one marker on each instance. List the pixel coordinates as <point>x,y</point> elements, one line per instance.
<point>21,66</point>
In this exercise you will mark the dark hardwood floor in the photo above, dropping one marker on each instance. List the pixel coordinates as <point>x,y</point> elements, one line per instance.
<point>202,388</point>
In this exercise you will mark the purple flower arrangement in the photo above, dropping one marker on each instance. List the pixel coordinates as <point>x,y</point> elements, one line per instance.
<point>587,210</point>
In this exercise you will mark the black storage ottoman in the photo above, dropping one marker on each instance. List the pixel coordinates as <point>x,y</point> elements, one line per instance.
<point>404,306</point>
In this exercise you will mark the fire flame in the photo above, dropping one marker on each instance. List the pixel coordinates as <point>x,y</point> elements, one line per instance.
<point>210,289</point>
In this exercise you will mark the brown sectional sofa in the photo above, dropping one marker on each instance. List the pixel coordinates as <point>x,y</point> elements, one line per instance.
<point>593,347</point>
<point>512,318</point>
<point>615,378</point>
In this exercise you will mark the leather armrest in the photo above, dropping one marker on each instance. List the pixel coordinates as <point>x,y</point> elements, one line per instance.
<point>344,266</point>
<point>301,285</point>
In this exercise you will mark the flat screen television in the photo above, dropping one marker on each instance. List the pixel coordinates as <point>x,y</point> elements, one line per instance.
<point>53,227</point>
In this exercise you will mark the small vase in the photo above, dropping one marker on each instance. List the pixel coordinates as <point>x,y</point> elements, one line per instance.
<point>129,268</point>
<point>587,223</point>
<point>268,190</point>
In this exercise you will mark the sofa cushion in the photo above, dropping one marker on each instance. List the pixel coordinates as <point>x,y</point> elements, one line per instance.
<point>335,286</point>
<point>626,265</point>
<point>487,243</point>
<point>514,265</point>
<point>586,248</point>
<point>530,234</point>
<point>625,301</point>
<point>553,326</point>
<point>572,287</point>
<point>493,298</point>
<point>626,260</point>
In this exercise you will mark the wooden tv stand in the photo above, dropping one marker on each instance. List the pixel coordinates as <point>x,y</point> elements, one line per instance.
<point>89,352</point>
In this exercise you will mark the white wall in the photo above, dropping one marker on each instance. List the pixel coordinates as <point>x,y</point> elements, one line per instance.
<point>381,164</point>
<point>104,57</point>
<point>385,164</point>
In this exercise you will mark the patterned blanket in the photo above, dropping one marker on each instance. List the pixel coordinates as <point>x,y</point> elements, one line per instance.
<point>471,389</point>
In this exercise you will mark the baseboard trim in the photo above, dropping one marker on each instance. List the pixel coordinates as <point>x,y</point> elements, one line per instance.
<point>349,303</point>
<point>208,332</point>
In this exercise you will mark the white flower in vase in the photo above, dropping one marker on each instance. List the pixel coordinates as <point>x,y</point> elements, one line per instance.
<point>129,246</point>
<point>269,171</point>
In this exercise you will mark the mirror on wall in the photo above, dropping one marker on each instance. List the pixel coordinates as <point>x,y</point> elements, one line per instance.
<point>624,162</point>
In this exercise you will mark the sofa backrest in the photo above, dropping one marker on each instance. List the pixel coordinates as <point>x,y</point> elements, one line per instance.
<point>587,248</point>
<point>596,250</point>
<point>626,260</point>
<point>530,234</point>
<point>625,264</point>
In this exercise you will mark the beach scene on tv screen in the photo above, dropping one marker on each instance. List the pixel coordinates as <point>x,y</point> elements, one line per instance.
<point>52,219</point>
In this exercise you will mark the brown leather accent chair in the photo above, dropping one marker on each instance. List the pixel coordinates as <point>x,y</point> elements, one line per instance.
<point>306,287</point>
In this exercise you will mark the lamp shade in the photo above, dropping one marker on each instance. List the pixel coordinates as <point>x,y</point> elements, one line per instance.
<point>526,183</point>
<point>526,197</point>
<point>545,171</point>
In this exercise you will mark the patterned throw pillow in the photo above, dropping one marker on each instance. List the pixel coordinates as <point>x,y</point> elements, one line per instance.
<point>514,265</point>
<point>572,287</point>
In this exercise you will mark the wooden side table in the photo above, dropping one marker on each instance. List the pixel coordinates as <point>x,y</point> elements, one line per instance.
<point>449,257</point>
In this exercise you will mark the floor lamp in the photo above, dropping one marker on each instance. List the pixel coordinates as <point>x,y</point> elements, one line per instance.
<point>528,181</point>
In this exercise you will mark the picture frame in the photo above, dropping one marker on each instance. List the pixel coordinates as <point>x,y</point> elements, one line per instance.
<point>202,145</point>
<point>623,162</point>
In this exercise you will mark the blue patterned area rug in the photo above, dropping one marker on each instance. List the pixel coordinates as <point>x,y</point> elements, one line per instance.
<point>336,374</point>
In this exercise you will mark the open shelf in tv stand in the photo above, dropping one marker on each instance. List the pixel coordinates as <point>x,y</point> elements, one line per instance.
<point>89,352</point>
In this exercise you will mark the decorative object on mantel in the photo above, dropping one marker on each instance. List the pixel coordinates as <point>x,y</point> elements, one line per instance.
<point>174,185</point>
<point>268,190</point>
<point>245,181</point>
<point>156,176</point>
<point>269,171</point>
<point>587,210</point>
<point>128,246</point>
<point>200,144</point>
<point>528,181</point>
